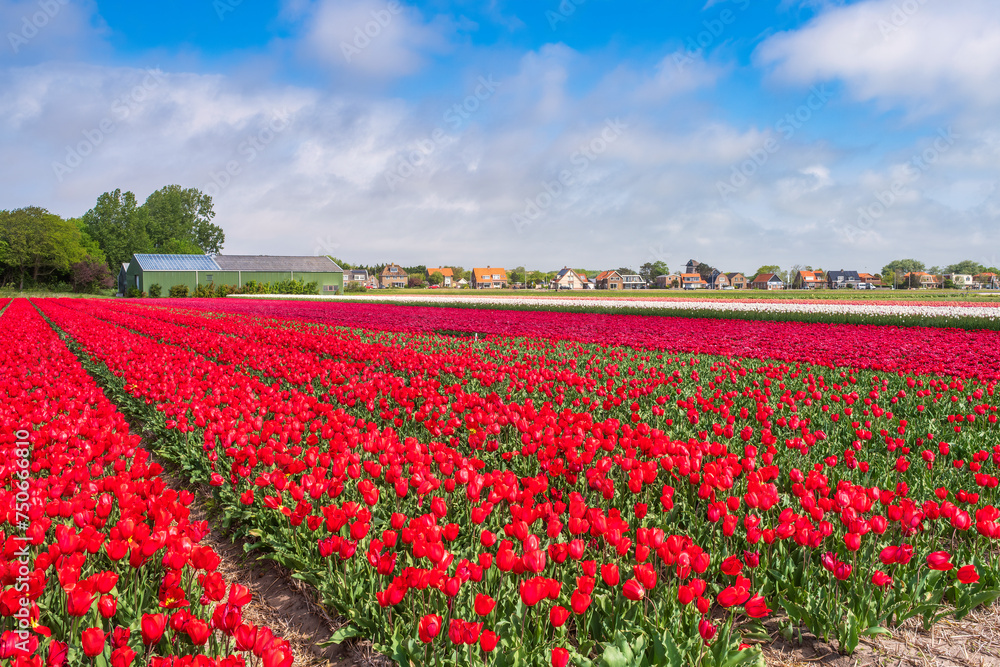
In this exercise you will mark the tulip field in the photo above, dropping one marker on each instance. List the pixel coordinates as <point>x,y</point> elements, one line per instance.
<point>101,564</point>
<point>482,487</point>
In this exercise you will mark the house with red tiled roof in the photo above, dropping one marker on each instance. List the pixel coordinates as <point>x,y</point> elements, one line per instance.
<point>447,275</point>
<point>808,280</point>
<point>767,281</point>
<point>923,280</point>
<point>986,280</point>
<point>870,280</point>
<point>609,280</point>
<point>489,278</point>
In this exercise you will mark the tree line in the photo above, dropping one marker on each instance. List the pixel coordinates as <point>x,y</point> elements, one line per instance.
<point>41,249</point>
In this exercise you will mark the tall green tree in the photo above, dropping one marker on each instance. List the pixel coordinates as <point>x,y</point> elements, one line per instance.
<point>182,218</point>
<point>767,268</point>
<point>39,244</point>
<point>966,267</point>
<point>901,267</point>
<point>119,225</point>
<point>651,270</point>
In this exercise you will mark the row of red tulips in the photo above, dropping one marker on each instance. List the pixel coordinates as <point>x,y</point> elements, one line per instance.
<point>699,458</point>
<point>961,352</point>
<point>101,561</point>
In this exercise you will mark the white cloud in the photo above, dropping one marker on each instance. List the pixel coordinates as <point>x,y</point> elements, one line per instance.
<point>382,38</point>
<point>37,30</point>
<point>925,53</point>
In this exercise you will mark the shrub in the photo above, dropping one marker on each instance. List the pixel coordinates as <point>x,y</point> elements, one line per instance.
<point>355,288</point>
<point>154,290</point>
<point>133,293</point>
<point>204,291</point>
<point>279,287</point>
<point>60,287</point>
<point>178,291</point>
<point>89,276</point>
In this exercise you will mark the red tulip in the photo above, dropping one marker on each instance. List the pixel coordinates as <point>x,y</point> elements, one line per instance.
<point>534,561</point>
<point>198,631</point>
<point>488,640</point>
<point>79,602</point>
<point>967,574</point>
<point>93,642</point>
<point>429,628</point>
<point>939,560</point>
<point>706,630</point>
<point>533,591</point>
<point>755,607</point>
<point>579,602</point>
<point>484,604</point>
<point>153,626</point>
<point>558,616</point>
<point>731,566</point>
<point>279,656</point>
<point>560,657</point>
<point>58,653</point>
<point>107,606</point>
<point>633,590</point>
<point>880,578</point>
<point>123,656</point>
<point>609,574</point>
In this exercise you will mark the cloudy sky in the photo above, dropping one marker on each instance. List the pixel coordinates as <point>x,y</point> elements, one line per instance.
<point>589,133</point>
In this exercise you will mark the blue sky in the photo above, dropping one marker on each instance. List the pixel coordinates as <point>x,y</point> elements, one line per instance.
<point>586,133</point>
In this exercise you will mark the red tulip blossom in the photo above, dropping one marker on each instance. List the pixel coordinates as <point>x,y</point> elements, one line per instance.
<point>939,560</point>
<point>93,642</point>
<point>967,574</point>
